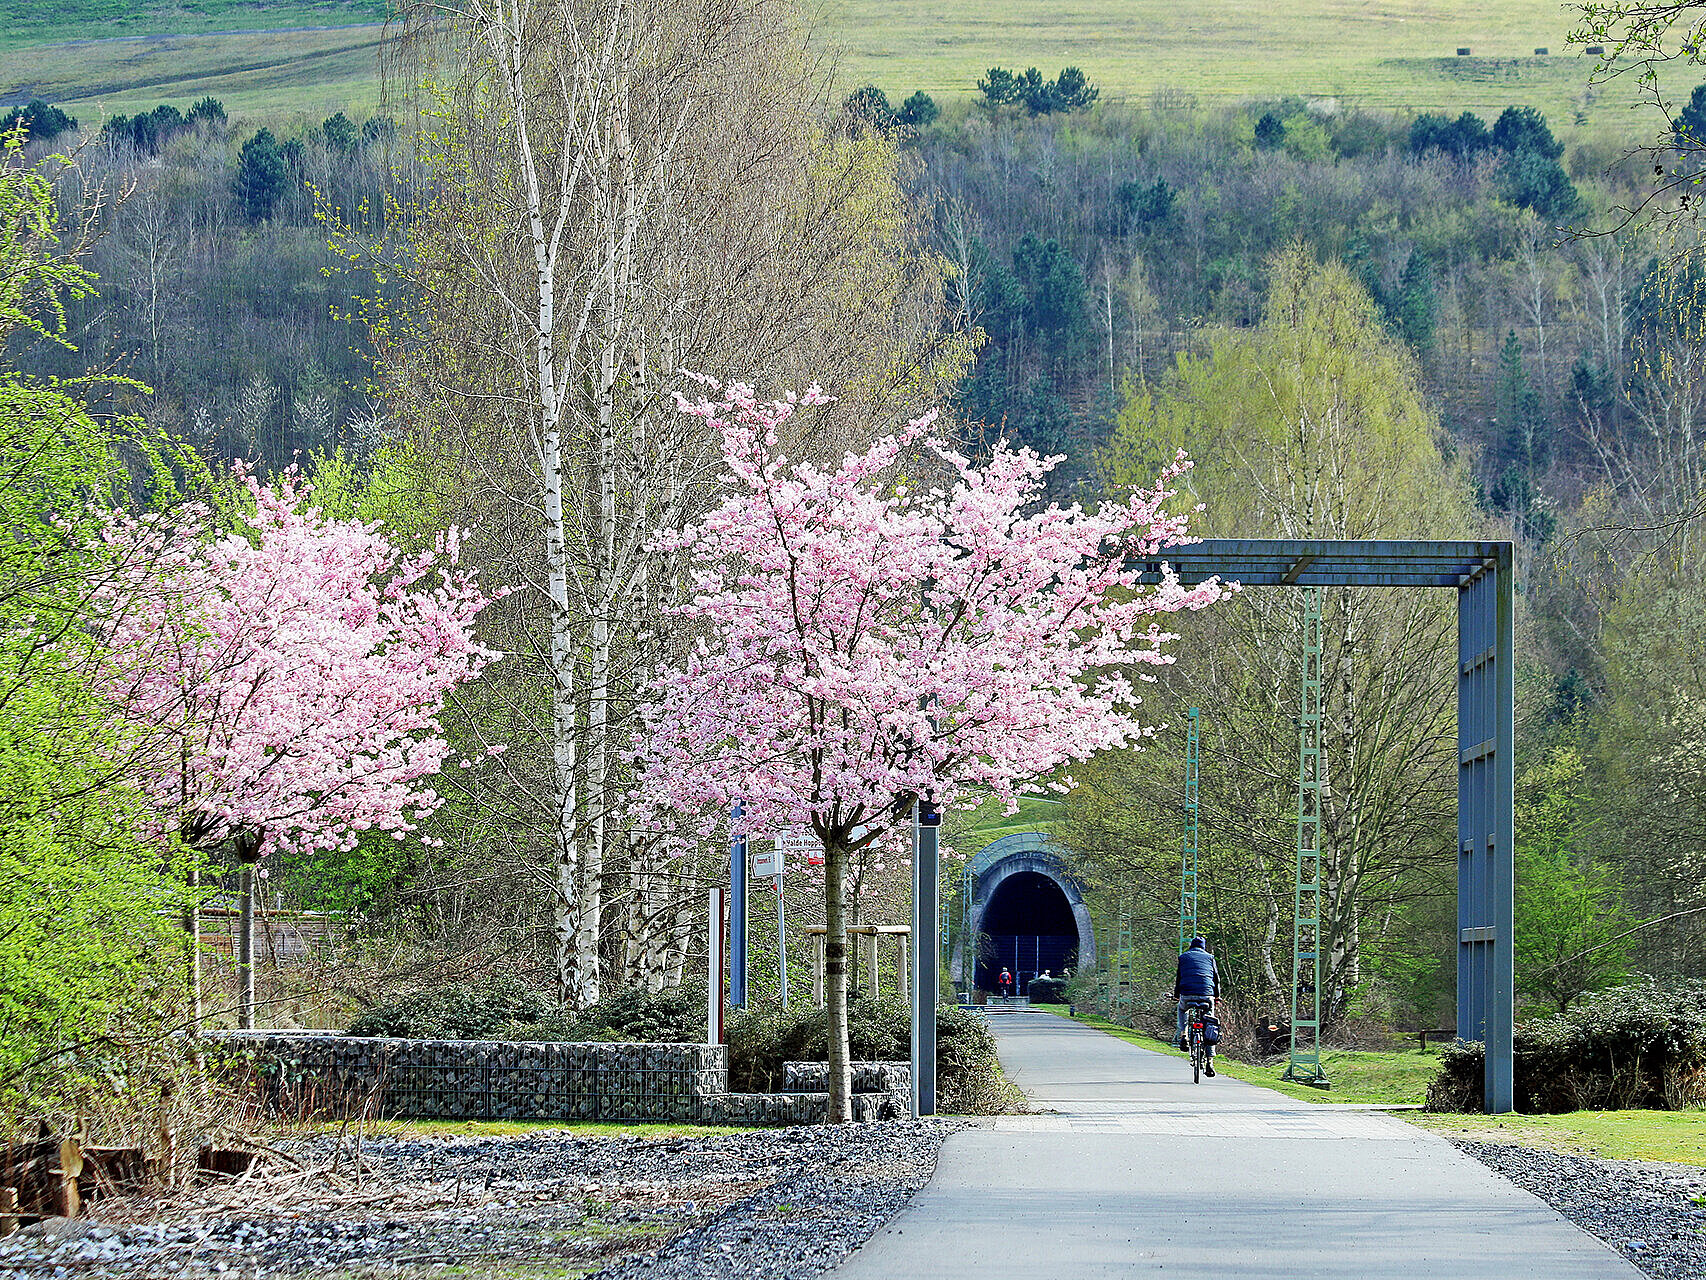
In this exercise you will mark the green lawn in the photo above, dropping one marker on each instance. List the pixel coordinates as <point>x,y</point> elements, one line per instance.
<point>1399,54</point>
<point>988,823</point>
<point>1675,1136</point>
<point>1397,1077</point>
<point>1402,1077</point>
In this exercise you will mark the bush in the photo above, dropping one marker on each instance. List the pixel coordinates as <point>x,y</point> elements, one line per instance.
<point>1047,990</point>
<point>492,1009</point>
<point>675,1015</point>
<point>968,1074</point>
<point>1641,1045</point>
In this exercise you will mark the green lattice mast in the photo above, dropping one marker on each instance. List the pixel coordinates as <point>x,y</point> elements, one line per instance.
<point>1305,1064</point>
<point>1188,858</point>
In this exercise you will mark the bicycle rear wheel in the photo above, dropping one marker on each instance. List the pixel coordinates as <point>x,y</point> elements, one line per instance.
<point>1196,1057</point>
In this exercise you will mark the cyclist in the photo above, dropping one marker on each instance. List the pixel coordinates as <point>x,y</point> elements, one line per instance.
<point>1197,981</point>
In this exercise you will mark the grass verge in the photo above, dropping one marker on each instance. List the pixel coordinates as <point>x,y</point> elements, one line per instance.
<point>1358,1076</point>
<point>1675,1137</point>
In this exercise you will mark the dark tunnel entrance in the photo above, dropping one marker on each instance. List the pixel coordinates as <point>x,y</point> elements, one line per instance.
<point>1028,928</point>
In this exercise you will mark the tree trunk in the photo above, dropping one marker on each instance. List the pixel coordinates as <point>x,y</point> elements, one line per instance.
<point>246,948</point>
<point>192,938</point>
<point>835,975</point>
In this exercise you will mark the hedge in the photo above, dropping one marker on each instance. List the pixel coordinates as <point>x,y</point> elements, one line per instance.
<point>1642,1045</point>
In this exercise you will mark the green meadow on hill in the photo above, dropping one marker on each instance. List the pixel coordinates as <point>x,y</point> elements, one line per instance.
<point>273,60</point>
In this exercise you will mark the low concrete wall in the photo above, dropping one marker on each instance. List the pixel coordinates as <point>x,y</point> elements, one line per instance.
<point>310,1073</point>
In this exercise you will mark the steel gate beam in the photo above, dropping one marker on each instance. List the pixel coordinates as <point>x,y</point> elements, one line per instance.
<point>1483,574</point>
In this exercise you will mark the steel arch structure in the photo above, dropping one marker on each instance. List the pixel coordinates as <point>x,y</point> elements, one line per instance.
<point>1483,574</point>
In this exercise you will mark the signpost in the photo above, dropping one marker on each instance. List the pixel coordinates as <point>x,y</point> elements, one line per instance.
<point>800,842</point>
<point>768,864</point>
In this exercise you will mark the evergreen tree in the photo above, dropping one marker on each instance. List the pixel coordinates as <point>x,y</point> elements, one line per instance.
<point>261,176</point>
<point>1270,132</point>
<point>1416,305</point>
<point>340,134</point>
<point>42,123</point>
<point>919,110</point>
<point>1521,420</point>
<point>1525,129</point>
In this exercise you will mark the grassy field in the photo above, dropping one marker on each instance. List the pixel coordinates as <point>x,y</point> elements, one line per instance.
<point>988,822</point>
<point>1675,1136</point>
<point>1398,54</point>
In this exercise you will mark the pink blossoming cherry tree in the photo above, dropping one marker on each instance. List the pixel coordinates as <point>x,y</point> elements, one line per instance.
<point>287,677</point>
<point>862,644</point>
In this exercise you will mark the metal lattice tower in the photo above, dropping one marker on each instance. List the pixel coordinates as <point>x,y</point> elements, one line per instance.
<point>1305,1064</point>
<point>1188,859</point>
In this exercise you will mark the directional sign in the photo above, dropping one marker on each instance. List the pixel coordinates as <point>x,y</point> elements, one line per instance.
<point>767,863</point>
<point>800,842</point>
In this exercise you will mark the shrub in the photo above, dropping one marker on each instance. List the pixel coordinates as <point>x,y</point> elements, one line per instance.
<point>968,1077</point>
<point>1641,1045</point>
<point>1047,990</point>
<point>675,1015</point>
<point>492,1009</point>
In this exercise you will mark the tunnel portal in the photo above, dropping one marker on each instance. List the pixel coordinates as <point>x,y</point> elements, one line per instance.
<point>1028,929</point>
<point>1025,913</point>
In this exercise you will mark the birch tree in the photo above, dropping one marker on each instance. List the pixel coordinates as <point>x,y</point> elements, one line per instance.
<point>623,188</point>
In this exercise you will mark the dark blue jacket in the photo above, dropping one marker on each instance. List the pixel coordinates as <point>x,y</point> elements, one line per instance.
<point>1197,975</point>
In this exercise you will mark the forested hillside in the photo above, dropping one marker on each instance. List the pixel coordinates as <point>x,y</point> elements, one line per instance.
<point>1361,323</point>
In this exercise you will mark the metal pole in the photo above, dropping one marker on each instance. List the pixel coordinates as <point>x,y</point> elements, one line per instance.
<point>1499,1082</point>
<point>1305,1064</point>
<point>737,909</point>
<point>926,975</point>
<point>782,940</point>
<point>1188,859</point>
<point>714,992</point>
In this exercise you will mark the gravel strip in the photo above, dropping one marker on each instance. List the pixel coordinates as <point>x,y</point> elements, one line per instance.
<point>760,1203</point>
<point>808,1222</point>
<point>1653,1214</point>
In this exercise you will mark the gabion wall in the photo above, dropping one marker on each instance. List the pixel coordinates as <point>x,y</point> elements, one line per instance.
<point>304,1073</point>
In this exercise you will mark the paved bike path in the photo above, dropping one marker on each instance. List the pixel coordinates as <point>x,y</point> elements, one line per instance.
<point>1134,1171</point>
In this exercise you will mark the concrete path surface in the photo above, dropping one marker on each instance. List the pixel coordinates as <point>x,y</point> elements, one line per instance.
<point>1131,1170</point>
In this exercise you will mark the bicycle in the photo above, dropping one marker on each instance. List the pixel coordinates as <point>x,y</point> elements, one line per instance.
<point>1196,1043</point>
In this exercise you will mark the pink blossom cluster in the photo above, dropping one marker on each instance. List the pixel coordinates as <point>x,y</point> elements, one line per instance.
<point>863,641</point>
<point>287,675</point>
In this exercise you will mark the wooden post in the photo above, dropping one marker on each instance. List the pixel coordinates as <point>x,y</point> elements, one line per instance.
<point>871,984</point>
<point>168,1143</point>
<point>903,967</point>
<point>246,949</point>
<point>8,1210</point>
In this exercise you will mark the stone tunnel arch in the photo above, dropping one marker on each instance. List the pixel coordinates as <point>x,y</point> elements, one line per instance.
<point>1008,881</point>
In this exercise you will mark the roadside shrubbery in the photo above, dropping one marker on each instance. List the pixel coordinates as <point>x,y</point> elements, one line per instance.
<point>1047,990</point>
<point>489,1009</point>
<point>968,1074</point>
<point>675,1015</point>
<point>1640,1045</point>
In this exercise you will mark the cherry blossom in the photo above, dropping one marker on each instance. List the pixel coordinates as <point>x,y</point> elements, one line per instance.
<point>863,642</point>
<point>288,674</point>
